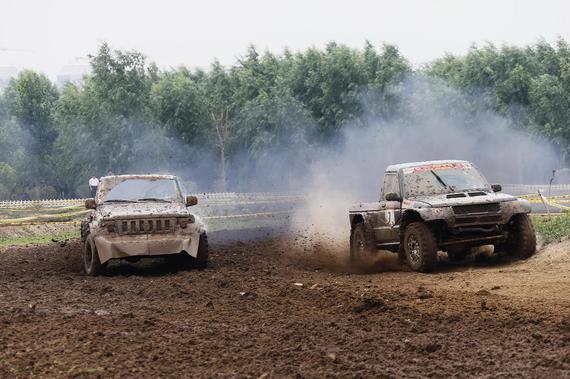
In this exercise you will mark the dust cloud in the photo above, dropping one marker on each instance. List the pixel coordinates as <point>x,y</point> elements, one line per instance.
<point>432,122</point>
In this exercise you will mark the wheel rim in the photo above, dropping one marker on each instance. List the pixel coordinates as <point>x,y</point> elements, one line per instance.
<point>414,249</point>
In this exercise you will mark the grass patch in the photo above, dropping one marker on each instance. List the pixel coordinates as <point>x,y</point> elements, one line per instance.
<point>38,239</point>
<point>554,229</point>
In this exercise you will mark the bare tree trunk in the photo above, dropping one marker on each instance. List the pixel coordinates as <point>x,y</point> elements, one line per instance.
<point>223,178</point>
<point>222,132</point>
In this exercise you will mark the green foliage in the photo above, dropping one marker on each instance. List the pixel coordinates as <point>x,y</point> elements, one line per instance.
<point>8,180</point>
<point>530,85</point>
<point>31,99</point>
<point>45,238</point>
<point>178,103</point>
<point>128,116</point>
<point>120,82</point>
<point>554,229</point>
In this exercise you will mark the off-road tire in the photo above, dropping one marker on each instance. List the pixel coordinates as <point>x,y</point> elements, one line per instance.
<point>201,260</point>
<point>184,261</point>
<point>521,243</point>
<point>91,262</point>
<point>420,247</point>
<point>180,262</point>
<point>361,244</point>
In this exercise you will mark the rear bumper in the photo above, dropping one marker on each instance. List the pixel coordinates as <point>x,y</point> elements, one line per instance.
<point>114,246</point>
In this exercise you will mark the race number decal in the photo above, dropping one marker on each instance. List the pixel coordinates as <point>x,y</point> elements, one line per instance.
<point>390,217</point>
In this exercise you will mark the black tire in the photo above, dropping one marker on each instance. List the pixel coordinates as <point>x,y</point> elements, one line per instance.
<point>201,260</point>
<point>184,261</point>
<point>457,254</point>
<point>420,247</point>
<point>521,243</point>
<point>91,262</point>
<point>361,244</point>
<point>181,261</point>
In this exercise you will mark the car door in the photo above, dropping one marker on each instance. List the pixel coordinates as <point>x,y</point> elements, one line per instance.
<point>386,230</point>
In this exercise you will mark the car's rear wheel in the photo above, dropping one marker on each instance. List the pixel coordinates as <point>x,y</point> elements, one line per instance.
<point>361,244</point>
<point>91,262</point>
<point>521,242</point>
<point>420,247</point>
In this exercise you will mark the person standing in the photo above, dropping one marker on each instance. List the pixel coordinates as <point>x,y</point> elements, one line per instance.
<point>93,184</point>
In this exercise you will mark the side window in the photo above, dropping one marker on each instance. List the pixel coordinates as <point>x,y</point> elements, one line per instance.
<point>391,184</point>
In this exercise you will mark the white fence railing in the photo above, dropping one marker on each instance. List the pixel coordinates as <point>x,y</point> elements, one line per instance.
<point>206,198</point>
<point>215,198</point>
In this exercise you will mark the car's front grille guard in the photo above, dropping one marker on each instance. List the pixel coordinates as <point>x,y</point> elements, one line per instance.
<point>145,226</point>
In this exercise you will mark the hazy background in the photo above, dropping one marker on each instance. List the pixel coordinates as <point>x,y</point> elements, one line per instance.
<point>45,35</point>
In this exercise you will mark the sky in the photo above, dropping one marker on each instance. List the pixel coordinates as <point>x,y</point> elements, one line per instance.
<point>46,35</point>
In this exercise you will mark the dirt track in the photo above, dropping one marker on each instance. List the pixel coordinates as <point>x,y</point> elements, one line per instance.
<point>245,317</point>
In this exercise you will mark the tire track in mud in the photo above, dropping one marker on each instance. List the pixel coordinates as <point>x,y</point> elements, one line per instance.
<point>271,307</point>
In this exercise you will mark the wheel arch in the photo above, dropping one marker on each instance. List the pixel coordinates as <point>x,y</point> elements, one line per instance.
<point>437,225</point>
<point>408,217</point>
<point>356,219</point>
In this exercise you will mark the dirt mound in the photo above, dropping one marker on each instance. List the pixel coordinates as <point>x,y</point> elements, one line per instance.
<point>256,312</point>
<point>553,253</point>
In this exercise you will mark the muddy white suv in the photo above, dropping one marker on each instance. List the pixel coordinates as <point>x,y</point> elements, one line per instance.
<point>136,216</point>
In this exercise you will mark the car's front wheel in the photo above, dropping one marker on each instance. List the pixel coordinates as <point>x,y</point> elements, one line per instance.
<point>184,261</point>
<point>201,260</point>
<point>420,247</point>
<point>91,262</point>
<point>521,242</point>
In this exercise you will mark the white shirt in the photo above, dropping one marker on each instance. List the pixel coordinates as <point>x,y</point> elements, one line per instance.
<point>93,182</point>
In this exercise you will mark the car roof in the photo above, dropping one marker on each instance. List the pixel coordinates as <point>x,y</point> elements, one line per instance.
<point>396,167</point>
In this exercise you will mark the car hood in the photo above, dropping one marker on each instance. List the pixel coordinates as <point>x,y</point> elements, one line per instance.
<point>444,201</point>
<point>141,210</point>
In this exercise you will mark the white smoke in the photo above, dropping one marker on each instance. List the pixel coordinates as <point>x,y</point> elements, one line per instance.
<point>433,122</point>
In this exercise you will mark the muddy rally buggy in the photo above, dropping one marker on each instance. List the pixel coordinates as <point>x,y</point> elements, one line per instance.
<point>136,216</point>
<point>426,207</point>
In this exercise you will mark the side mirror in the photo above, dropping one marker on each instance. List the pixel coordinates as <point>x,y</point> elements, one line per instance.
<point>496,188</point>
<point>191,200</point>
<point>392,196</point>
<point>90,204</point>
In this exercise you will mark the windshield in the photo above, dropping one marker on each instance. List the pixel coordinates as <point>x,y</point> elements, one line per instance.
<point>442,178</point>
<point>165,190</point>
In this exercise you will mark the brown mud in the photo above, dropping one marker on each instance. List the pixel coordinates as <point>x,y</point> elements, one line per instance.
<point>270,309</point>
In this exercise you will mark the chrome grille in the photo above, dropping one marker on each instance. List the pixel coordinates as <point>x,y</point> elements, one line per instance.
<point>145,226</point>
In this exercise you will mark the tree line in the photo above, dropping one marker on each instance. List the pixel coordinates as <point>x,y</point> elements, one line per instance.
<point>221,124</point>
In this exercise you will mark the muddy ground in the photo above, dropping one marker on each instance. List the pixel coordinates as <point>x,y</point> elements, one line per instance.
<point>266,309</point>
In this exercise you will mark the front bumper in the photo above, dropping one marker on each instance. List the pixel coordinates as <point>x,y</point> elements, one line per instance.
<point>115,246</point>
<point>507,210</point>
